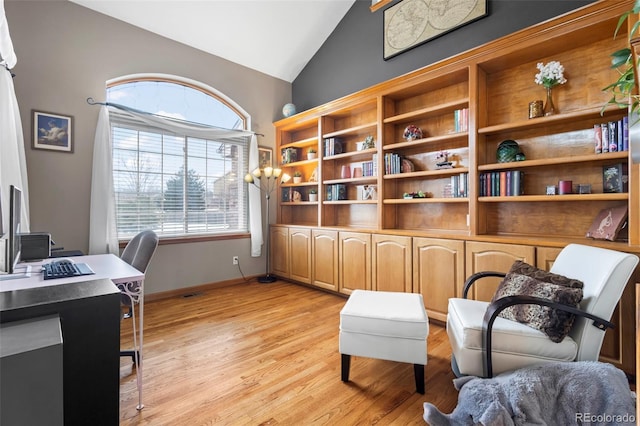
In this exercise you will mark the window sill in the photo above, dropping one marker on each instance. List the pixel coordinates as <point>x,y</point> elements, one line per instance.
<point>194,239</point>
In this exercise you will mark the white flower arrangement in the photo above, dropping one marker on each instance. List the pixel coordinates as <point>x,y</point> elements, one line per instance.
<point>550,75</point>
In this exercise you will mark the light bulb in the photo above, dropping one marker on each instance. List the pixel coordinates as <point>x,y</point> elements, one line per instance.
<point>256,172</point>
<point>285,178</point>
<point>277,172</point>
<point>248,178</point>
<point>268,171</point>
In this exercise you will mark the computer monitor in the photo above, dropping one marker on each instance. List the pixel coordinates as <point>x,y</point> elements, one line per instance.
<point>13,245</point>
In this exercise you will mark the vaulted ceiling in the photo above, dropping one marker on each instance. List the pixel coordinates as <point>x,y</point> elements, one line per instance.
<point>276,37</point>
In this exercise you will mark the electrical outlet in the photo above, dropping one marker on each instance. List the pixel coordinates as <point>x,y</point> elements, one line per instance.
<point>236,260</point>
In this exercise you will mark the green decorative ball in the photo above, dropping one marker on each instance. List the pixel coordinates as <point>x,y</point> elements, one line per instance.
<point>507,151</point>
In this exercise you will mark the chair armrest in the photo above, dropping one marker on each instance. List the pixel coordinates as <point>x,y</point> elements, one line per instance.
<point>494,309</point>
<point>475,277</point>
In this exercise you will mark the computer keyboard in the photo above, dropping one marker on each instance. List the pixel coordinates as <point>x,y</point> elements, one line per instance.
<point>65,268</point>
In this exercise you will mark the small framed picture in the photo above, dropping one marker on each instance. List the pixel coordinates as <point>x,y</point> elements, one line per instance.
<point>265,157</point>
<point>51,131</point>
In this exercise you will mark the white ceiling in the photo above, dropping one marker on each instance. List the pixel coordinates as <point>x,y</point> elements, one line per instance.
<point>276,37</point>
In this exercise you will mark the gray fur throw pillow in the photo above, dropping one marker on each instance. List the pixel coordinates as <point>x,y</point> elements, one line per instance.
<point>528,280</point>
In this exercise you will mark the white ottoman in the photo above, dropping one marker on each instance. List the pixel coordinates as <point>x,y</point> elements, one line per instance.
<point>385,325</point>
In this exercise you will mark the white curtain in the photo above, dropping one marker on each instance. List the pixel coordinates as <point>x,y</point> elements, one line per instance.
<point>103,235</point>
<point>13,164</point>
<point>255,204</point>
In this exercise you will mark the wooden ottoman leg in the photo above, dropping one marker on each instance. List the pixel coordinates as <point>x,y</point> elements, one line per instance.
<point>418,370</point>
<point>346,363</point>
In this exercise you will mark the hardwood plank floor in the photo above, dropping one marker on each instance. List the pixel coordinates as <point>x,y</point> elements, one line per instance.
<point>267,354</point>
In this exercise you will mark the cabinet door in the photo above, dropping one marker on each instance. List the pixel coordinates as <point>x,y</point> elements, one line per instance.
<point>354,252</point>
<point>280,251</point>
<point>391,261</point>
<point>545,256</point>
<point>300,254</point>
<point>493,257</point>
<point>324,263</point>
<point>438,273</point>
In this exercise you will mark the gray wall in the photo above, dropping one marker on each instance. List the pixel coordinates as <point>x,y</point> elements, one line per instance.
<point>351,59</point>
<point>66,53</point>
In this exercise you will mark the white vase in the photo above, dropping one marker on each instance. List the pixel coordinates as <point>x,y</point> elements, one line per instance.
<point>297,179</point>
<point>311,155</point>
<point>313,197</point>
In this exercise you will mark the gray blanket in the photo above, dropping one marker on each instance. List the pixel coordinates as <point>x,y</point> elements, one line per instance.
<point>564,393</point>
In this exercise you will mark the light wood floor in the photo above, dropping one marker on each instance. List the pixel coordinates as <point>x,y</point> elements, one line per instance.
<point>267,354</point>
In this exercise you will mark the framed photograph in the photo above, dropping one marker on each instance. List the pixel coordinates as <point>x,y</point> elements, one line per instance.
<point>52,131</point>
<point>265,157</point>
<point>409,23</point>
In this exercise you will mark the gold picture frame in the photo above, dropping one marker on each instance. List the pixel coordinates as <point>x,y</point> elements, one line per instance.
<point>265,157</point>
<point>410,23</point>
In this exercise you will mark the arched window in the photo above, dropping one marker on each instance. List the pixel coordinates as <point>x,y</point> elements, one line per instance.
<point>173,182</point>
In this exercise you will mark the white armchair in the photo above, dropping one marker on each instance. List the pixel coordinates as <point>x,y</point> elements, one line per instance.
<point>484,344</point>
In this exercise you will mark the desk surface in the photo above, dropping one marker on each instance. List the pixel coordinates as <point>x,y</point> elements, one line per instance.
<point>104,265</point>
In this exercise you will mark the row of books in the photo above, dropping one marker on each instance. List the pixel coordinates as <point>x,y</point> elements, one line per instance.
<point>370,168</point>
<point>458,188</point>
<point>336,192</point>
<point>332,146</point>
<point>612,136</point>
<point>461,120</point>
<point>501,184</point>
<point>392,163</point>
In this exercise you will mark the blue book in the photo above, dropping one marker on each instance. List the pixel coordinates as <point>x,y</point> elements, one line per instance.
<point>625,133</point>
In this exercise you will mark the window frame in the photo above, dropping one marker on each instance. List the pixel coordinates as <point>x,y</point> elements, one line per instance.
<point>244,119</point>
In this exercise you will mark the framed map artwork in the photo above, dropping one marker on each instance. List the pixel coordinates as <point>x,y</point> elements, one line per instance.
<point>410,23</point>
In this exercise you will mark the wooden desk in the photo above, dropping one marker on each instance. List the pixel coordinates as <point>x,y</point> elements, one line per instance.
<point>128,279</point>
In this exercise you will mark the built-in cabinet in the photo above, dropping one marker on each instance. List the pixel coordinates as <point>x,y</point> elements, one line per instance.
<point>342,261</point>
<point>421,214</point>
<point>354,257</point>
<point>438,273</point>
<point>324,260</point>
<point>481,256</point>
<point>280,260</point>
<point>391,263</point>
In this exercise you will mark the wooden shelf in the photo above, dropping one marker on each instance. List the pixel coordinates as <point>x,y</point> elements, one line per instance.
<point>427,173</point>
<point>604,157</point>
<point>301,143</point>
<point>357,180</point>
<point>298,163</point>
<point>423,143</point>
<point>353,155</point>
<point>543,122</point>
<point>352,130</point>
<point>428,111</point>
<point>424,200</point>
<point>295,185</point>
<point>299,203</point>
<point>623,196</point>
<point>349,202</point>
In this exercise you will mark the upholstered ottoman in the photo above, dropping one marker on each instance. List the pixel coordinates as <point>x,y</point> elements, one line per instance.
<point>385,325</point>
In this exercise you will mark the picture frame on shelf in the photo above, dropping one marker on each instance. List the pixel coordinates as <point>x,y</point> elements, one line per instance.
<point>410,23</point>
<point>52,131</point>
<point>265,157</point>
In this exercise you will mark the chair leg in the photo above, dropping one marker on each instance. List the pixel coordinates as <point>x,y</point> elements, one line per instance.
<point>418,370</point>
<point>346,364</point>
<point>132,354</point>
